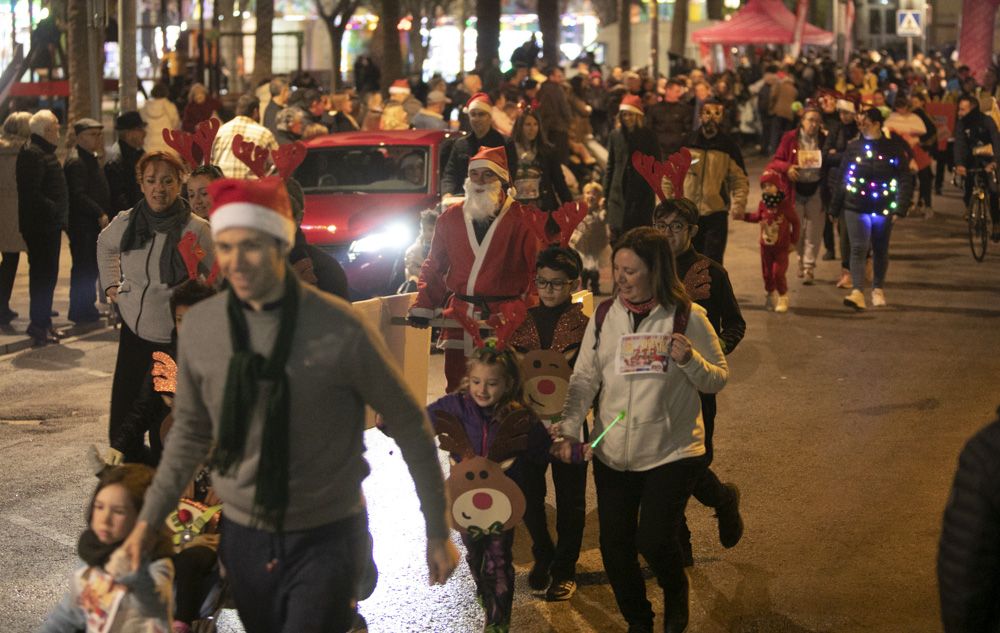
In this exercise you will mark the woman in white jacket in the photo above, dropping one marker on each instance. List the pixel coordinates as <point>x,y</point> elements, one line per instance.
<point>159,114</point>
<point>652,354</point>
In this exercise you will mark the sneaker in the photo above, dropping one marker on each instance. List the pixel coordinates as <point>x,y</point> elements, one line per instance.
<point>771,300</point>
<point>782,306</point>
<point>855,300</point>
<point>878,298</point>
<point>845,279</point>
<point>560,590</point>
<point>538,577</point>
<point>809,278</point>
<point>730,521</point>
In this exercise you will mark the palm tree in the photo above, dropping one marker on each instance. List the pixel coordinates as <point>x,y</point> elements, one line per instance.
<point>263,43</point>
<point>678,28</point>
<point>488,28</point>
<point>80,63</point>
<point>392,53</point>
<point>548,23</point>
<point>625,30</point>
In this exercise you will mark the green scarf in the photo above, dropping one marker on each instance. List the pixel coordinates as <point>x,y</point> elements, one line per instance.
<point>246,370</point>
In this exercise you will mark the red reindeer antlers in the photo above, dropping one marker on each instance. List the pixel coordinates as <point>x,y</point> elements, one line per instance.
<point>568,217</point>
<point>182,143</point>
<point>252,156</point>
<point>288,157</point>
<point>506,321</point>
<point>204,137</point>
<point>457,311</point>
<point>674,169</point>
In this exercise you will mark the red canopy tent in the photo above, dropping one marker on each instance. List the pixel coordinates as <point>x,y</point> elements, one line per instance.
<point>760,22</point>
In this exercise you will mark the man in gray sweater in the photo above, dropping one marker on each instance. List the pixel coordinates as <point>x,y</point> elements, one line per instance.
<point>273,379</point>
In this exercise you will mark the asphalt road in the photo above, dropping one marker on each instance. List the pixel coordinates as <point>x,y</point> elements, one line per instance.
<point>841,429</point>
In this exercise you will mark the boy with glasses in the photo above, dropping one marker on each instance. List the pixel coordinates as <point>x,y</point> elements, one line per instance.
<point>556,324</point>
<point>707,283</point>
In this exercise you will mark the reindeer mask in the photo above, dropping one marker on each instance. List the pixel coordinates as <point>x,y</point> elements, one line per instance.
<point>546,374</point>
<point>484,501</point>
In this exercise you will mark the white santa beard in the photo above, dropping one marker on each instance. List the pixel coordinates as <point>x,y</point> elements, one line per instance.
<point>481,201</point>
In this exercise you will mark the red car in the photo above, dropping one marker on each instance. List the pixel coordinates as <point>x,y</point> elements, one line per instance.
<point>364,194</point>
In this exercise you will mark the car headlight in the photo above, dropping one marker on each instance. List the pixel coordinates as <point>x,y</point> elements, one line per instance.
<point>392,237</point>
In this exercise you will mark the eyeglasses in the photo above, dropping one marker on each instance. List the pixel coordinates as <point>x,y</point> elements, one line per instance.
<point>673,227</point>
<point>555,284</point>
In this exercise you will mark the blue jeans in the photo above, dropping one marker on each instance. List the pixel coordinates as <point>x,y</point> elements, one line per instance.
<point>868,232</point>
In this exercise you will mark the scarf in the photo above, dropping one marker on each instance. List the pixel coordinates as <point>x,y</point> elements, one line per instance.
<point>143,223</point>
<point>772,200</point>
<point>92,551</point>
<point>246,370</point>
<point>638,308</point>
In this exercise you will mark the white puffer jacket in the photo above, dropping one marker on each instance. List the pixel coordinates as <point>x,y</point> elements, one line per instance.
<point>663,420</point>
<point>159,114</point>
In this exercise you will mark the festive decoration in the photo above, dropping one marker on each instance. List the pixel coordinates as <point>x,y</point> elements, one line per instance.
<point>878,192</point>
<point>546,374</point>
<point>182,143</point>
<point>192,253</point>
<point>484,501</point>
<point>457,311</point>
<point>185,143</point>
<point>674,170</point>
<point>251,155</point>
<point>506,320</point>
<point>288,157</point>
<point>618,418</point>
<point>535,220</point>
<point>164,373</point>
<point>204,137</point>
<point>568,217</point>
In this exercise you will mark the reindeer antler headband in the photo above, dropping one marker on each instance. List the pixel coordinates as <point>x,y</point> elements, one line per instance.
<point>286,158</point>
<point>674,169</point>
<point>184,143</point>
<point>505,321</point>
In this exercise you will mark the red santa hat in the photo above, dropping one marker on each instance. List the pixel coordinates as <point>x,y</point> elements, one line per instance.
<point>631,103</point>
<point>252,204</point>
<point>492,158</point>
<point>399,87</point>
<point>480,101</point>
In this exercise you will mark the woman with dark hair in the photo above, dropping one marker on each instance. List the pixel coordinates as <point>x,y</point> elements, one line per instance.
<point>630,200</point>
<point>646,355</point>
<point>140,262</point>
<point>539,179</point>
<point>196,189</point>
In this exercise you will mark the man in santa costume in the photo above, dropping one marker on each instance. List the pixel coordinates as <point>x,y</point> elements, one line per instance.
<point>286,458</point>
<point>480,111</point>
<point>482,256</point>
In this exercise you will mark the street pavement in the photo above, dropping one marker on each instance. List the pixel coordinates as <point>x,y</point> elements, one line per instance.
<point>841,429</point>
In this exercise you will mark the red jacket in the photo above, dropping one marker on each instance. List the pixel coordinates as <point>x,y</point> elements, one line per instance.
<point>788,154</point>
<point>779,227</point>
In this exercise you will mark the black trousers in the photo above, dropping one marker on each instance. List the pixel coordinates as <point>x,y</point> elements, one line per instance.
<point>135,356</point>
<point>713,231</point>
<point>944,161</point>
<point>570,481</point>
<point>641,513</point>
<point>43,274</point>
<point>8,273</point>
<point>296,582</point>
<point>83,276</point>
<point>708,489</point>
<point>194,575</point>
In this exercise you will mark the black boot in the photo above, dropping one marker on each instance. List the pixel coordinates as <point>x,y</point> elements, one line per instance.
<point>730,521</point>
<point>675,605</point>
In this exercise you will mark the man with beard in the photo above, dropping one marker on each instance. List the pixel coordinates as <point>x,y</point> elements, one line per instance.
<point>717,181</point>
<point>482,255</point>
<point>480,110</point>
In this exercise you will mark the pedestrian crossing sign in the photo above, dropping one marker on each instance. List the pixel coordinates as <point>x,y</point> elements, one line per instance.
<point>909,23</point>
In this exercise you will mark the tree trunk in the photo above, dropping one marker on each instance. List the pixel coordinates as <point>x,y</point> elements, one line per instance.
<point>625,33</point>
<point>488,27</point>
<point>548,23</point>
<point>336,51</point>
<point>392,53</point>
<point>80,63</point>
<point>230,46</point>
<point>263,43</point>
<point>654,38</point>
<point>678,28</point>
<point>714,9</point>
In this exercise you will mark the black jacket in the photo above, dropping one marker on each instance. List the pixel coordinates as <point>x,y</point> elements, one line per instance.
<point>974,129</point>
<point>120,170</point>
<point>717,296</point>
<point>552,187</point>
<point>880,161</point>
<point>671,122</point>
<point>630,200</point>
<point>318,268</point>
<point>968,565</point>
<point>284,137</point>
<point>89,194</point>
<point>42,195</point>
<point>457,169</point>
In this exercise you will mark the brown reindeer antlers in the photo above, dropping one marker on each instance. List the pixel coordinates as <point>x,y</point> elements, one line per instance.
<point>674,169</point>
<point>252,155</point>
<point>512,436</point>
<point>451,434</point>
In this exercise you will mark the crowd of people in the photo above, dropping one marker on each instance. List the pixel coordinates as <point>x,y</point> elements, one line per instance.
<point>168,230</point>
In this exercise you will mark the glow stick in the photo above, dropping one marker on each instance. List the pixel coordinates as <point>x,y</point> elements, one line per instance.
<point>618,418</point>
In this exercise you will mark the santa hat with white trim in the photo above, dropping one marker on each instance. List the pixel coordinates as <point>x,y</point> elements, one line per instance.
<point>399,87</point>
<point>631,103</point>
<point>492,158</point>
<point>480,101</point>
<point>252,204</point>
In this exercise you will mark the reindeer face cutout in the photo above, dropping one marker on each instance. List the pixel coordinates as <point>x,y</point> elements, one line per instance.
<point>546,375</point>
<point>484,500</point>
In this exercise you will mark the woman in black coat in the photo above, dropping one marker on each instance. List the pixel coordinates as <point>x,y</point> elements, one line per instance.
<point>539,179</point>
<point>630,199</point>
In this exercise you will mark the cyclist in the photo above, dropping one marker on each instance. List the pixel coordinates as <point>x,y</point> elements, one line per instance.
<point>973,130</point>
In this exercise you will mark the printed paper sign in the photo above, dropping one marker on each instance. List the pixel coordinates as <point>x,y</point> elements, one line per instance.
<point>643,354</point>
<point>810,158</point>
<point>100,599</point>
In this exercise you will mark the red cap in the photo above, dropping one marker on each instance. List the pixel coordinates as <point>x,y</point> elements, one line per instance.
<point>252,204</point>
<point>399,87</point>
<point>492,158</point>
<point>480,101</point>
<point>631,103</point>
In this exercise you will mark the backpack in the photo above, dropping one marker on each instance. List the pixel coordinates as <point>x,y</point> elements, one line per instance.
<point>601,313</point>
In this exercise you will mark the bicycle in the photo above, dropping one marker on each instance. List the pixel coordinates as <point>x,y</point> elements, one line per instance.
<point>977,213</point>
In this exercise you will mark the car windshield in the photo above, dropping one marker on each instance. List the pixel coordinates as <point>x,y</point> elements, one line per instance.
<point>372,169</point>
